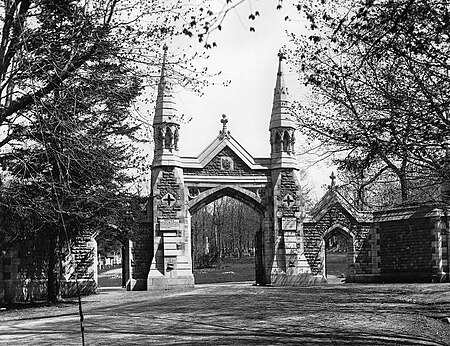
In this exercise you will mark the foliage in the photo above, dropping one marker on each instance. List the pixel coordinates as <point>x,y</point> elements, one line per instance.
<point>379,71</point>
<point>70,72</point>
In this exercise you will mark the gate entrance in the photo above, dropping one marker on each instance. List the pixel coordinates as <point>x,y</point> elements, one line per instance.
<point>183,185</point>
<point>223,241</point>
<point>339,254</point>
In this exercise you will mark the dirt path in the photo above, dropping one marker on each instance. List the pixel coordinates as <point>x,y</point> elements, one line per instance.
<point>239,313</point>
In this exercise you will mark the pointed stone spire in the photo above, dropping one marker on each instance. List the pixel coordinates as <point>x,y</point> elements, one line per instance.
<point>166,123</point>
<point>281,112</point>
<point>282,123</point>
<point>165,103</point>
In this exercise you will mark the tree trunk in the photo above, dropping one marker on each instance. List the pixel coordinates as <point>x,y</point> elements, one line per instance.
<point>53,291</point>
<point>51,275</point>
<point>403,188</point>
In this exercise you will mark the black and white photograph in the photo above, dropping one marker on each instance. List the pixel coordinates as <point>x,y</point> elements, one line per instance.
<point>225,172</point>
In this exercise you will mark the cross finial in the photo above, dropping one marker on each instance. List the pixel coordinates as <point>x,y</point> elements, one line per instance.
<point>224,132</point>
<point>333,178</point>
<point>224,121</point>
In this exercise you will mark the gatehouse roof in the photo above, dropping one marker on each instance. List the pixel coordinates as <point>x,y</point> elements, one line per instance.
<point>332,198</point>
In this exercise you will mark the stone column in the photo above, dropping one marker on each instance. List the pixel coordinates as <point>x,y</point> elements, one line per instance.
<point>171,264</point>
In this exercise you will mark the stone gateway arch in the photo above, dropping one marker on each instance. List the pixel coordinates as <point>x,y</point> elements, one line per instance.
<point>182,185</point>
<point>409,243</point>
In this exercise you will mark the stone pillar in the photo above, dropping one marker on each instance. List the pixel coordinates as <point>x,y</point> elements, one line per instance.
<point>268,248</point>
<point>351,250</point>
<point>127,265</point>
<point>438,245</point>
<point>375,239</point>
<point>288,239</point>
<point>171,264</point>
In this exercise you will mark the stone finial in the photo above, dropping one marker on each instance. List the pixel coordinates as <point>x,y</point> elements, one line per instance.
<point>224,133</point>
<point>281,54</point>
<point>164,61</point>
<point>333,184</point>
<point>224,122</point>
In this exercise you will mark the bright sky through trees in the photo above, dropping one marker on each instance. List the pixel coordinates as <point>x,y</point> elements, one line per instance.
<point>249,60</point>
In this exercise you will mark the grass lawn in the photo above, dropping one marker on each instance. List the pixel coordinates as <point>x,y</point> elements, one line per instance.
<point>336,263</point>
<point>110,276</point>
<point>228,270</point>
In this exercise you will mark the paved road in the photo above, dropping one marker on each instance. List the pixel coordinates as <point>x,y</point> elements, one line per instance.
<point>241,314</point>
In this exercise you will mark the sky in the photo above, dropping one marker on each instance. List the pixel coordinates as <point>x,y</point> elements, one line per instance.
<point>249,60</point>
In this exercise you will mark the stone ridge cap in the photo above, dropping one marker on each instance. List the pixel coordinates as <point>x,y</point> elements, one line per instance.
<point>218,145</point>
<point>330,199</point>
<point>397,208</point>
<point>410,212</point>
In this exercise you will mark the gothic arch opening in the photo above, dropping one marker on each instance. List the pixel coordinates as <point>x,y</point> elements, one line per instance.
<point>224,229</point>
<point>168,140</point>
<point>286,141</point>
<point>339,253</point>
<point>277,142</point>
<point>111,260</point>
<point>245,196</point>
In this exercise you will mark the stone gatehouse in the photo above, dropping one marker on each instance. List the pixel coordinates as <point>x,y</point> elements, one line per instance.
<point>406,244</point>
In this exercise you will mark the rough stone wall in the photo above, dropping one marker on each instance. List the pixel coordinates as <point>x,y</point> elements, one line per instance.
<point>364,264</point>
<point>406,249</point>
<point>218,166</point>
<point>141,257</point>
<point>409,244</point>
<point>314,234</point>
<point>23,275</point>
<point>167,183</point>
<point>288,185</point>
<point>84,255</point>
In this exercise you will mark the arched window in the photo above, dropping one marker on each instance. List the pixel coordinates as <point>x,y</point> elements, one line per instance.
<point>277,142</point>
<point>286,142</point>
<point>176,137</point>
<point>168,139</point>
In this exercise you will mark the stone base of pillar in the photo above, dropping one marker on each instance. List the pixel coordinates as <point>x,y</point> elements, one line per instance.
<point>442,277</point>
<point>131,284</point>
<point>164,283</point>
<point>363,278</point>
<point>137,285</point>
<point>297,280</point>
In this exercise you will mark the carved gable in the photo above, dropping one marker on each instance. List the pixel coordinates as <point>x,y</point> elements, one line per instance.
<point>225,163</point>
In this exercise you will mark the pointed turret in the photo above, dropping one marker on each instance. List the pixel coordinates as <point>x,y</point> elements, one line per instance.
<point>281,110</point>
<point>282,123</point>
<point>166,123</point>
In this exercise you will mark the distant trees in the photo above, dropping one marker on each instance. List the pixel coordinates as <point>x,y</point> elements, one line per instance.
<point>224,228</point>
<point>379,72</point>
